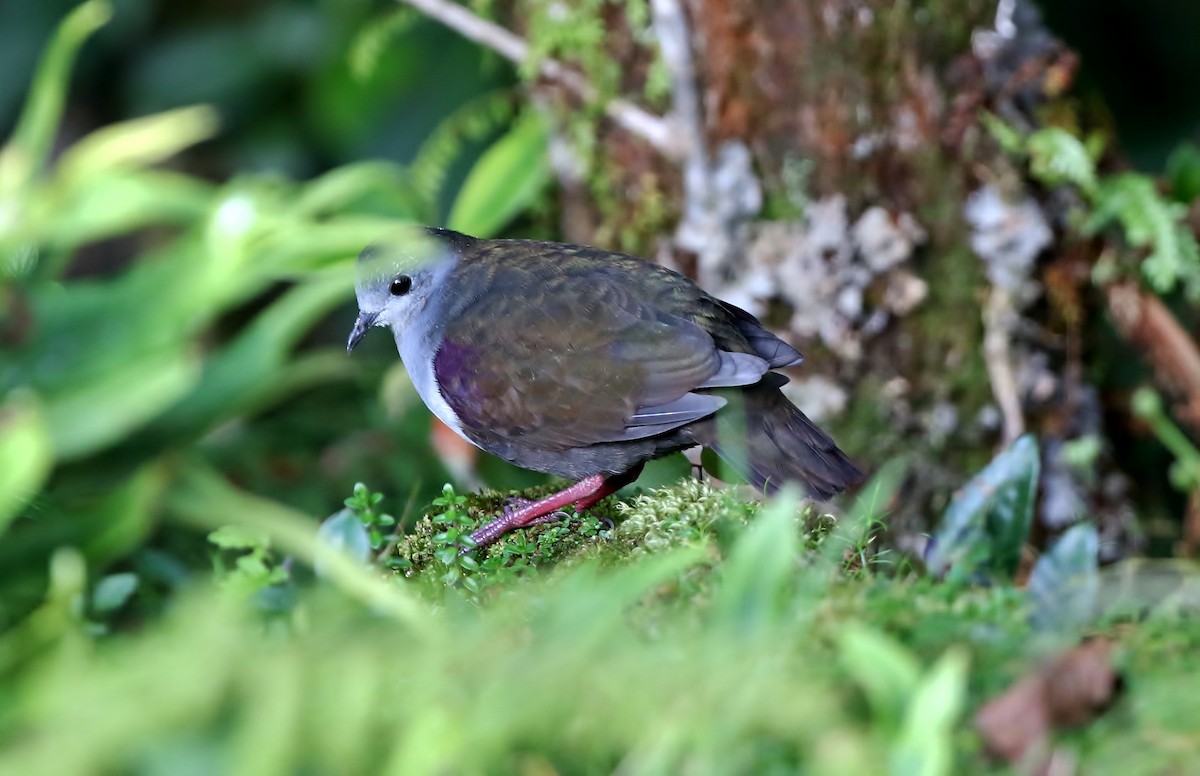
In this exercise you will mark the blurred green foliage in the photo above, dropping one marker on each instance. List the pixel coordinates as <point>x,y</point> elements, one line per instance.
<point>740,646</point>
<point>1154,224</point>
<point>656,684</point>
<point>176,411</point>
<point>988,520</point>
<point>155,321</point>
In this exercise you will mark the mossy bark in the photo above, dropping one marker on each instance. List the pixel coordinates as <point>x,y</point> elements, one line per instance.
<point>879,104</point>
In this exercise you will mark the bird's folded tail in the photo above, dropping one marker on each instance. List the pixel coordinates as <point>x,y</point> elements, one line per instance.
<point>770,442</point>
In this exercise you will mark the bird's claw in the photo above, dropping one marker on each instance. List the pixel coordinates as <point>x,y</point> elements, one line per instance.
<point>513,503</point>
<point>553,517</point>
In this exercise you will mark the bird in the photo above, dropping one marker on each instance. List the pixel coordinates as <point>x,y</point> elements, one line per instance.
<point>585,364</point>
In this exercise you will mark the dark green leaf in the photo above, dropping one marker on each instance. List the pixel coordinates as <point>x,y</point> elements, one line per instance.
<point>1183,172</point>
<point>988,520</point>
<point>1064,581</point>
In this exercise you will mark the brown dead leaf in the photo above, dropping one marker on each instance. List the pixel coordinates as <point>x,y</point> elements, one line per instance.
<point>1070,690</point>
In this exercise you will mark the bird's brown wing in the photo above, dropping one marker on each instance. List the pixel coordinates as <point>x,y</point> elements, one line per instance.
<point>569,358</point>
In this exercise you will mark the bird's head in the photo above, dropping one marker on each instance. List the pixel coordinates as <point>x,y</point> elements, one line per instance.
<point>400,274</point>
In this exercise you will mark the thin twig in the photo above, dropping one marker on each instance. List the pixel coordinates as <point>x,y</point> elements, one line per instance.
<point>674,41</point>
<point>657,131</point>
<point>720,191</point>
<point>997,321</point>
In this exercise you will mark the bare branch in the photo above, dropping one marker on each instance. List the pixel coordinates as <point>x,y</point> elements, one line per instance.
<point>1145,322</point>
<point>998,319</point>
<point>719,193</point>
<point>671,29</point>
<point>655,130</point>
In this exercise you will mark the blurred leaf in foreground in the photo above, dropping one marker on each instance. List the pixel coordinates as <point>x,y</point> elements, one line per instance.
<point>988,520</point>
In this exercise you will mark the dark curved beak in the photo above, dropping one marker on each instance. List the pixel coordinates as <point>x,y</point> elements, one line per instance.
<point>365,321</point>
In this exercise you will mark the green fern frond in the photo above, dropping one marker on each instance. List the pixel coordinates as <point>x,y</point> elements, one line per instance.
<point>1150,221</point>
<point>373,40</point>
<point>473,121</point>
<point>578,35</point>
<point>1056,157</point>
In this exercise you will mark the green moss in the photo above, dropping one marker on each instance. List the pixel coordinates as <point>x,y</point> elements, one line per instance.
<point>690,513</point>
<point>512,555</point>
<point>677,515</point>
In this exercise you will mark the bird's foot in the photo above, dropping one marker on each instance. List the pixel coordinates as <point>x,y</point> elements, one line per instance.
<point>512,503</point>
<point>515,516</point>
<point>583,495</point>
<point>553,517</point>
<point>519,514</point>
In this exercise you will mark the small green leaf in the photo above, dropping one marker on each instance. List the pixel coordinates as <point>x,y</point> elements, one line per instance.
<point>1065,580</point>
<point>113,591</point>
<point>874,499</point>
<point>253,566</point>
<point>988,520</point>
<point>1183,172</point>
<point>1008,138</point>
<point>505,180</point>
<point>361,187</point>
<point>342,532</point>
<point>717,467</point>
<point>123,519</point>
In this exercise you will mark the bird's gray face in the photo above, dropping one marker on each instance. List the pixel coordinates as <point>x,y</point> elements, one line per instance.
<point>397,279</point>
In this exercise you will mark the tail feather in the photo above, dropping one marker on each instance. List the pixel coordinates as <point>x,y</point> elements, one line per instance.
<point>771,442</point>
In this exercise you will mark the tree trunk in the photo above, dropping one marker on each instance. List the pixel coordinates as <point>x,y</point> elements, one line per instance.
<point>840,169</point>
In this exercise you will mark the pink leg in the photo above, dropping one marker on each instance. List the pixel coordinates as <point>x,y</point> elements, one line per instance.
<point>611,485</point>
<point>583,494</point>
<point>530,512</point>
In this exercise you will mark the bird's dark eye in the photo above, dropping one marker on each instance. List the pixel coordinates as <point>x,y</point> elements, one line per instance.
<point>401,285</point>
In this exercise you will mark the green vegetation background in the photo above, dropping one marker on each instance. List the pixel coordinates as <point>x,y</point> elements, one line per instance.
<point>182,191</point>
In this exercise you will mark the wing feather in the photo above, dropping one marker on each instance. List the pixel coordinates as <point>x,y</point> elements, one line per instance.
<point>554,350</point>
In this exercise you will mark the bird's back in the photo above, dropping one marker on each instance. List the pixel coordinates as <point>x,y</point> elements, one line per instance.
<point>574,279</point>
